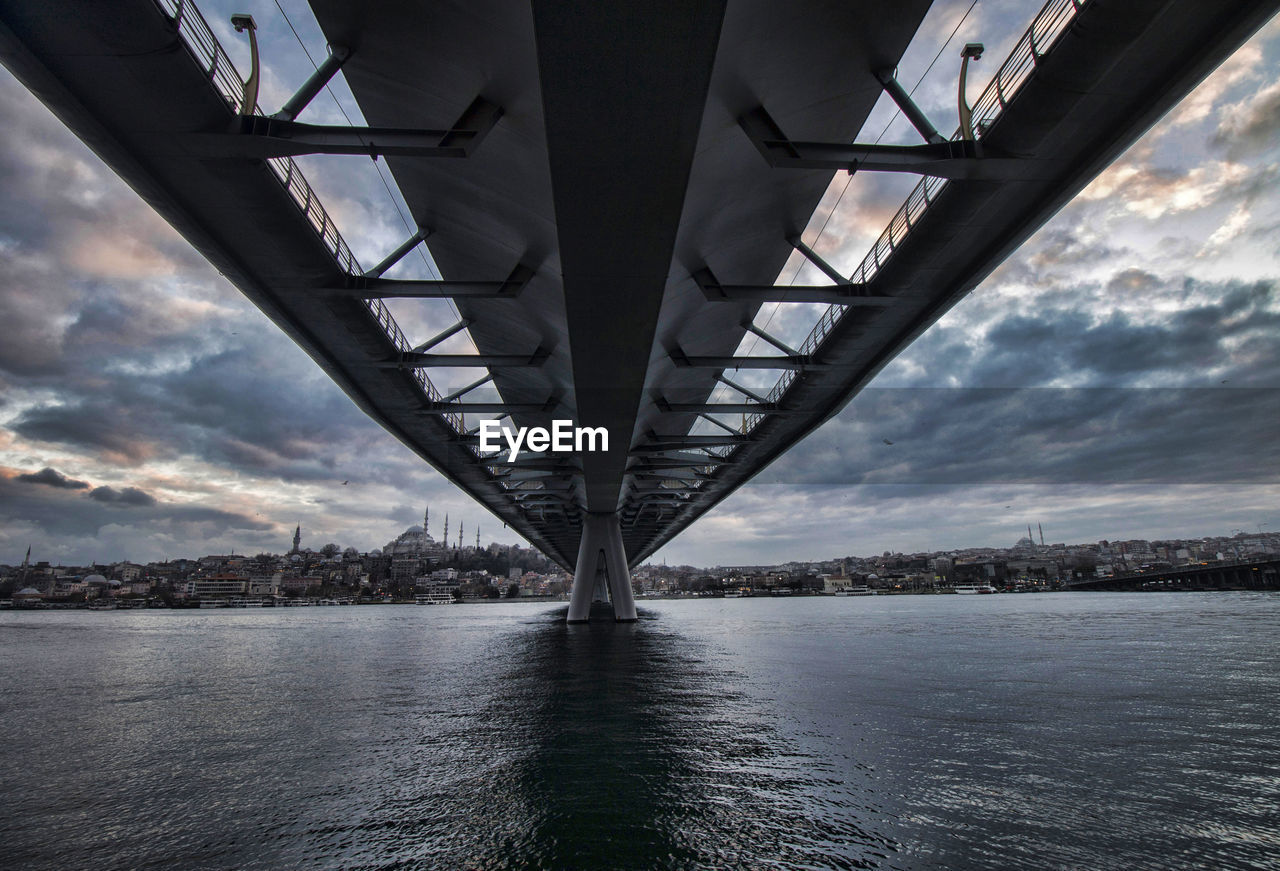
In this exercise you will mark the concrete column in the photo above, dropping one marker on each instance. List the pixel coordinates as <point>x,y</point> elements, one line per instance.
<point>584,575</point>
<point>615,555</point>
<point>601,547</point>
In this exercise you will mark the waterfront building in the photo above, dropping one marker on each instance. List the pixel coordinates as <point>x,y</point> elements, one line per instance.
<point>217,586</point>
<point>27,596</point>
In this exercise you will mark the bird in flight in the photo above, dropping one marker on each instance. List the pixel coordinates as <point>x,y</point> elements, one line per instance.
<point>886,441</point>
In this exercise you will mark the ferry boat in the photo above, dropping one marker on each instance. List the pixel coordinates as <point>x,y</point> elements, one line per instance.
<point>970,589</point>
<point>244,603</point>
<point>438,597</point>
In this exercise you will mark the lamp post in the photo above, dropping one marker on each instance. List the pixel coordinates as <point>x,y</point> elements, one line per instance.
<point>972,50</point>
<point>249,101</point>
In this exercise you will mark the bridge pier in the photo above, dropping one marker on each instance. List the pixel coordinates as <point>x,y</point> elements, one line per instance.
<point>601,548</point>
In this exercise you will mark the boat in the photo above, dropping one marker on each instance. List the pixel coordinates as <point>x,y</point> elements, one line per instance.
<point>970,589</point>
<point>438,597</point>
<point>860,590</point>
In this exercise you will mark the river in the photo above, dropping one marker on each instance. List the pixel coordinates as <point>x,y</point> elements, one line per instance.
<point>1072,730</point>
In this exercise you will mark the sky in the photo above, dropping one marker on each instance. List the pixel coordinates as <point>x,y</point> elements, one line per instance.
<point>1118,377</point>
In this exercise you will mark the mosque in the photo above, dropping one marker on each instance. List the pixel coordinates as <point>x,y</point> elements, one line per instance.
<point>416,541</point>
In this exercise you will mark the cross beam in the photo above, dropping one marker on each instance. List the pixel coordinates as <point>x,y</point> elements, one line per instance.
<point>837,294</point>
<point>948,159</point>
<point>789,361</point>
<point>256,136</point>
<point>667,475</point>
<point>374,287</point>
<point>418,360</point>
<point>720,407</point>
<point>682,461</point>
<point>678,443</point>
<point>486,407</point>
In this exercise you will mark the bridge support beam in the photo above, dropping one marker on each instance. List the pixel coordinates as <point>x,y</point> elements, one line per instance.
<point>601,545</point>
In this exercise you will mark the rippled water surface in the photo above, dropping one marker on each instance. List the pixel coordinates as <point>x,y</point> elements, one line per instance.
<point>1105,731</point>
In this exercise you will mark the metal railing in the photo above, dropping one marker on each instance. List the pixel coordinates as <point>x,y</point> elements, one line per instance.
<point>383,315</point>
<point>1038,40</point>
<point>208,53</point>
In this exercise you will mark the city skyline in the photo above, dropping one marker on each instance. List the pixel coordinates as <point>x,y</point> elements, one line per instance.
<point>1034,532</point>
<point>1118,372</point>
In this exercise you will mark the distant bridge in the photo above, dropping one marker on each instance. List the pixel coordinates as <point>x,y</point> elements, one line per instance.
<point>1244,575</point>
<point>610,190</point>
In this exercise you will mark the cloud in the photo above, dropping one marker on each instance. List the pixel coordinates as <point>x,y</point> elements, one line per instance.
<point>53,478</point>
<point>129,496</point>
<point>1251,126</point>
<point>1041,435</point>
<point>1154,192</point>
<point>1068,395</point>
<point>1241,67</point>
<point>72,522</point>
<point>829,521</point>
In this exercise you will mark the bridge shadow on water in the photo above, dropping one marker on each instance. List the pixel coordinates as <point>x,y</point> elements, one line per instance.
<point>626,747</point>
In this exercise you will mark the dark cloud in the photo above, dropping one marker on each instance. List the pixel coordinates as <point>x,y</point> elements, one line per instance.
<point>1059,246</point>
<point>129,496</point>
<point>1005,421</point>
<point>1251,127</point>
<point>61,512</point>
<point>1042,435</point>
<point>53,478</point>
<point>1041,347</point>
<point>217,407</point>
<point>87,427</point>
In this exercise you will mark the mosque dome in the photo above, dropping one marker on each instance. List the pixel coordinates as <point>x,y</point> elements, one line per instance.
<point>95,579</point>
<point>28,592</point>
<point>413,541</point>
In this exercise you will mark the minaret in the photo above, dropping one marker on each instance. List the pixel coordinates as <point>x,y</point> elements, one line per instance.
<point>426,519</point>
<point>297,539</point>
<point>1030,538</point>
<point>445,541</point>
<point>1040,527</point>
<point>477,539</point>
<point>460,525</point>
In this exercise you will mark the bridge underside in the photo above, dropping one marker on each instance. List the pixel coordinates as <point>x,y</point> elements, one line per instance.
<point>610,190</point>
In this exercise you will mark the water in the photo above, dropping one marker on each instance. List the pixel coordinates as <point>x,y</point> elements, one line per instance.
<point>1039,731</point>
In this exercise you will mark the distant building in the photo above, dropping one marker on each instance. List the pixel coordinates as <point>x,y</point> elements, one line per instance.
<point>416,541</point>
<point>217,586</point>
